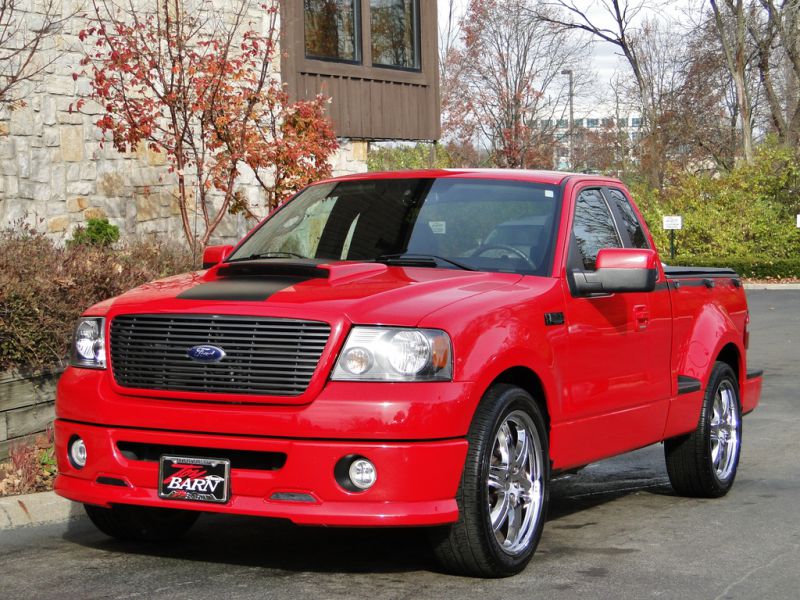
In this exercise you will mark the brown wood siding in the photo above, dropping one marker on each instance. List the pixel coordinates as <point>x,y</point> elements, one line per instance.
<point>368,102</point>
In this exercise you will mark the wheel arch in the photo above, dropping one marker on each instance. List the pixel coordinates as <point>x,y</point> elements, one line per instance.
<point>731,355</point>
<point>527,379</point>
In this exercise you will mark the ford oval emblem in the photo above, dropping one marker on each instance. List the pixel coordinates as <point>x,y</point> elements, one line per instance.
<point>205,353</point>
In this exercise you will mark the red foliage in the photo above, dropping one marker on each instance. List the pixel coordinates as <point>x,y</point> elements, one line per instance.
<point>201,89</point>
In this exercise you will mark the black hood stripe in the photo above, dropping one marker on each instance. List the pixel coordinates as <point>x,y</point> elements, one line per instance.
<point>240,289</point>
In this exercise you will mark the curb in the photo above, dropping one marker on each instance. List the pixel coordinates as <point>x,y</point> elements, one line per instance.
<point>772,286</point>
<point>36,509</point>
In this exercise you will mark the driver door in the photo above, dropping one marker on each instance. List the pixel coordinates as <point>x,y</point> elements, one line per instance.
<point>617,395</point>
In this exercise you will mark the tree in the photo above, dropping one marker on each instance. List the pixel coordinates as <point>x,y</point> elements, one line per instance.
<point>622,34</point>
<point>703,122</point>
<point>732,30</point>
<point>626,32</point>
<point>458,130</point>
<point>781,22</point>
<point>505,85</point>
<point>600,150</point>
<point>199,87</point>
<point>23,36</point>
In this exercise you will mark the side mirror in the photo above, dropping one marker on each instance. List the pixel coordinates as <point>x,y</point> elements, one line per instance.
<point>213,255</point>
<point>619,270</point>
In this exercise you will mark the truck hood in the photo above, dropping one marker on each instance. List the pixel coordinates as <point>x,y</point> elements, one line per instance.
<point>363,293</point>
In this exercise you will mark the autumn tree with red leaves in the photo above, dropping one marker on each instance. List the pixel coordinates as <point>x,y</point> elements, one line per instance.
<point>200,87</point>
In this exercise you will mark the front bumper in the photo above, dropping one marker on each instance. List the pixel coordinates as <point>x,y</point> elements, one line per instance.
<point>416,485</point>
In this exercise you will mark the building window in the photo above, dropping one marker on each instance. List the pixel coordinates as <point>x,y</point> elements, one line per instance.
<point>636,122</point>
<point>593,122</point>
<point>331,29</point>
<point>578,123</point>
<point>394,26</point>
<point>622,122</point>
<point>563,123</point>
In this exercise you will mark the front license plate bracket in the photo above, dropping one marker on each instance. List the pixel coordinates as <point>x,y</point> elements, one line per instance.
<point>193,478</point>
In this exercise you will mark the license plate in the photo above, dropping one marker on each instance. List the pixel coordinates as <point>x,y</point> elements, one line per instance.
<point>192,478</point>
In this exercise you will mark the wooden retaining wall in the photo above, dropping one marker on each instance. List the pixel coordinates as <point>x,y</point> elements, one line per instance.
<point>27,404</point>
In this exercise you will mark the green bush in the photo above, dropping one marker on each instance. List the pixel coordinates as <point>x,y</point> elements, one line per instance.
<point>749,211</point>
<point>749,267</point>
<point>98,232</point>
<point>44,288</point>
<point>398,158</point>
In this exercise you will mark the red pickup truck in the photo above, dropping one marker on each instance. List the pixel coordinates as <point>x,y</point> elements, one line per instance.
<point>425,348</point>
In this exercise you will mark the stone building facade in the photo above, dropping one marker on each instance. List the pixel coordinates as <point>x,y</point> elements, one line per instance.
<point>55,175</point>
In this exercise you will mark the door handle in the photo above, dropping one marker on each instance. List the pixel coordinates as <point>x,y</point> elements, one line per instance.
<point>641,317</point>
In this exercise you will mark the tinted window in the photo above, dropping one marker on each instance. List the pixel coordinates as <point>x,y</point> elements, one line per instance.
<point>331,28</point>
<point>395,33</point>
<point>487,225</point>
<point>629,220</point>
<point>593,227</point>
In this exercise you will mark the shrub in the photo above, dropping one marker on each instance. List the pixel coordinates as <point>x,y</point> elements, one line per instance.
<point>44,289</point>
<point>749,211</point>
<point>416,156</point>
<point>98,232</point>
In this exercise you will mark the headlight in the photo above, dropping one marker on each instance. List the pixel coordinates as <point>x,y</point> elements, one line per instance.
<point>89,344</point>
<point>395,354</point>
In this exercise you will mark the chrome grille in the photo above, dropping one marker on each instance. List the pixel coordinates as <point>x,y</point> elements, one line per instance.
<point>267,356</point>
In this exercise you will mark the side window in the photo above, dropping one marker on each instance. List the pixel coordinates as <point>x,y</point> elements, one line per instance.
<point>593,227</point>
<point>629,220</point>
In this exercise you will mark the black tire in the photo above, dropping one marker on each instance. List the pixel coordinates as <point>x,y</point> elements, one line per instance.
<point>470,546</point>
<point>141,523</point>
<point>703,464</point>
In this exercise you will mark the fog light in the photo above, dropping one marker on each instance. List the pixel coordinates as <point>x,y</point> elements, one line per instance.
<point>77,453</point>
<point>355,473</point>
<point>362,473</point>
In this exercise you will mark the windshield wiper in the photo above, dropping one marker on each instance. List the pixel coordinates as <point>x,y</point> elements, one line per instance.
<point>270,254</point>
<point>419,260</point>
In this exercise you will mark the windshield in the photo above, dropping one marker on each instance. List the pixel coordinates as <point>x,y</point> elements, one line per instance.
<point>480,224</point>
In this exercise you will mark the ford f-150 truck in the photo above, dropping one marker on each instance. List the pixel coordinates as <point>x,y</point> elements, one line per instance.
<point>425,348</point>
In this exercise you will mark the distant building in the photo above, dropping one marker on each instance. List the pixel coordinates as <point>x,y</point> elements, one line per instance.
<point>629,126</point>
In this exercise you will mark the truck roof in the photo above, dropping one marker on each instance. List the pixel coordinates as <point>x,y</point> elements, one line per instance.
<point>546,177</point>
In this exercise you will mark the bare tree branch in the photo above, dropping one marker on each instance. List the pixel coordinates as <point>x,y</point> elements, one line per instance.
<point>23,36</point>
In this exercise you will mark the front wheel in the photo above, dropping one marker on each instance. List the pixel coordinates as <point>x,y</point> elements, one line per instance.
<point>703,463</point>
<point>504,491</point>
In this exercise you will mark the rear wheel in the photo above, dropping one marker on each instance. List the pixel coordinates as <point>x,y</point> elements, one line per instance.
<point>703,463</point>
<point>142,523</point>
<point>504,489</point>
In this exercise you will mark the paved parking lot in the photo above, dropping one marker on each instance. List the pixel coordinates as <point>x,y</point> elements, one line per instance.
<point>615,530</point>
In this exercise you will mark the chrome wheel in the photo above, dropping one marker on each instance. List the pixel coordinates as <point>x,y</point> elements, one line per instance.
<point>703,463</point>
<point>515,483</point>
<point>504,491</point>
<point>724,432</point>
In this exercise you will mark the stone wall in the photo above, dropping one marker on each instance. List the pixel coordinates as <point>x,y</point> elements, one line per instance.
<point>55,175</point>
